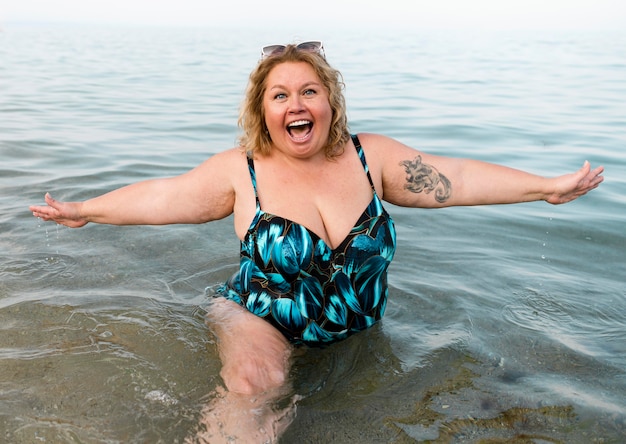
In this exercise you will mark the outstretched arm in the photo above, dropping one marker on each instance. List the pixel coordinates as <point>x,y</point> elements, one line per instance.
<point>203,194</point>
<point>415,179</point>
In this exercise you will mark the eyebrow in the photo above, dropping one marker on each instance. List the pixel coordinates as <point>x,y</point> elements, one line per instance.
<point>307,84</point>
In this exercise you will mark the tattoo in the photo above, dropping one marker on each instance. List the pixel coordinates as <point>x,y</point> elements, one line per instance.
<point>422,177</point>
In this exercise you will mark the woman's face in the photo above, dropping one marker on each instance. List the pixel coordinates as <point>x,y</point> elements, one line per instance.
<point>297,109</point>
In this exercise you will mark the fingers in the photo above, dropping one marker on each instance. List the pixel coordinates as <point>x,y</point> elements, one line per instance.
<point>586,167</point>
<point>597,173</point>
<point>51,202</point>
<point>590,179</point>
<point>594,177</point>
<point>43,211</point>
<point>48,212</point>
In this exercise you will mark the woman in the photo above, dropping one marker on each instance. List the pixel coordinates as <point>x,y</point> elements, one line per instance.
<point>313,261</point>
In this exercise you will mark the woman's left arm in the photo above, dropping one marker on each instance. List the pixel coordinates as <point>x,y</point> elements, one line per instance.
<point>416,179</point>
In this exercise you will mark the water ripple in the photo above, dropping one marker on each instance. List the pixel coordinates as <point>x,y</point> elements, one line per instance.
<point>36,267</point>
<point>106,344</point>
<point>594,334</point>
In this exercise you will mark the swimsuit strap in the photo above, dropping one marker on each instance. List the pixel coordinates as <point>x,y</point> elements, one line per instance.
<point>359,150</point>
<point>253,178</point>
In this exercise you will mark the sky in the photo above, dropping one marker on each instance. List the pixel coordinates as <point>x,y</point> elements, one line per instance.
<point>443,14</point>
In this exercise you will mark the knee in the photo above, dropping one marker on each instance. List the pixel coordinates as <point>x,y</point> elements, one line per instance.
<point>242,386</point>
<point>253,382</point>
<point>255,356</point>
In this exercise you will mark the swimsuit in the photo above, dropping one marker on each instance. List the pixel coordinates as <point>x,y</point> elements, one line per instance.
<point>310,292</point>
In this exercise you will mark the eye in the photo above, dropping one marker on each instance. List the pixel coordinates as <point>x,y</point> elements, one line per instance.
<point>280,96</point>
<point>309,92</point>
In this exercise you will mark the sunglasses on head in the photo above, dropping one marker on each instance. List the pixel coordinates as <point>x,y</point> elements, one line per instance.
<point>315,47</point>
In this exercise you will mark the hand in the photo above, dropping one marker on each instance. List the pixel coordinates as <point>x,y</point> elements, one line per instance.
<point>65,213</point>
<point>571,186</point>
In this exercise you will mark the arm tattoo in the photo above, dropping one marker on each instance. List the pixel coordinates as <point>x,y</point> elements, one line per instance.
<point>422,177</point>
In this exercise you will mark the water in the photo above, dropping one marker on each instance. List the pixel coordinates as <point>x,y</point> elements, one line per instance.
<point>503,322</point>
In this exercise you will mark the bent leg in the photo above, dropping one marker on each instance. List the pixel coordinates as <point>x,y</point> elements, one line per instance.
<point>255,369</point>
<point>255,356</point>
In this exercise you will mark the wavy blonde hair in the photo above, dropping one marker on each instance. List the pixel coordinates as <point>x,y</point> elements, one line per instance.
<point>255,138</point>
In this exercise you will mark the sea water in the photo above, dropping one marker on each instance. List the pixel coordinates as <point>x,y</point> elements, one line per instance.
<point>503,322</point>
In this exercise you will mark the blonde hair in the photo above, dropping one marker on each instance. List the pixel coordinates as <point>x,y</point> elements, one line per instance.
<point>255,138</point>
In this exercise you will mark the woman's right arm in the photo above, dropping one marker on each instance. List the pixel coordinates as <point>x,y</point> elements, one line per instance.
<point>203,194</point>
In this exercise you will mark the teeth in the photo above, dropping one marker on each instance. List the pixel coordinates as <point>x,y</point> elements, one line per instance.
<point>300,123</point>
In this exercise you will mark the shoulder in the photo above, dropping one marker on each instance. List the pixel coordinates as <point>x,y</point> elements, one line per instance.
<point>231,155</point>
<point>407,175</point>
<point>377,150</point>
<point>380,146</point>
<point>383,153</point>
<point>391,153</point>
<point>224,163</point>
<point>371,141</point>
<point>220,173</point>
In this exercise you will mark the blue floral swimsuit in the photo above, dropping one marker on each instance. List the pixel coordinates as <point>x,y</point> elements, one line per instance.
<point>310,292</point>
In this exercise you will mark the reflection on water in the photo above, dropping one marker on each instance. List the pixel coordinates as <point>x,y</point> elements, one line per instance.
<point>95,375</point>
<point>557,318</point>
<point>503,323</point>
<point>145,374</point>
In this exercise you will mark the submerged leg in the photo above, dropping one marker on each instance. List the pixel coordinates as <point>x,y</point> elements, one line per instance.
<point>255,356</point>
<point>255,368</point>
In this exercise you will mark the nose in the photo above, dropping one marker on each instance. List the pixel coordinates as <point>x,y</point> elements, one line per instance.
<point>295,104</point>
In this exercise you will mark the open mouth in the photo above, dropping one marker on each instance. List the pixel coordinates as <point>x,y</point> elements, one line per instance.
<point>300,129</point>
